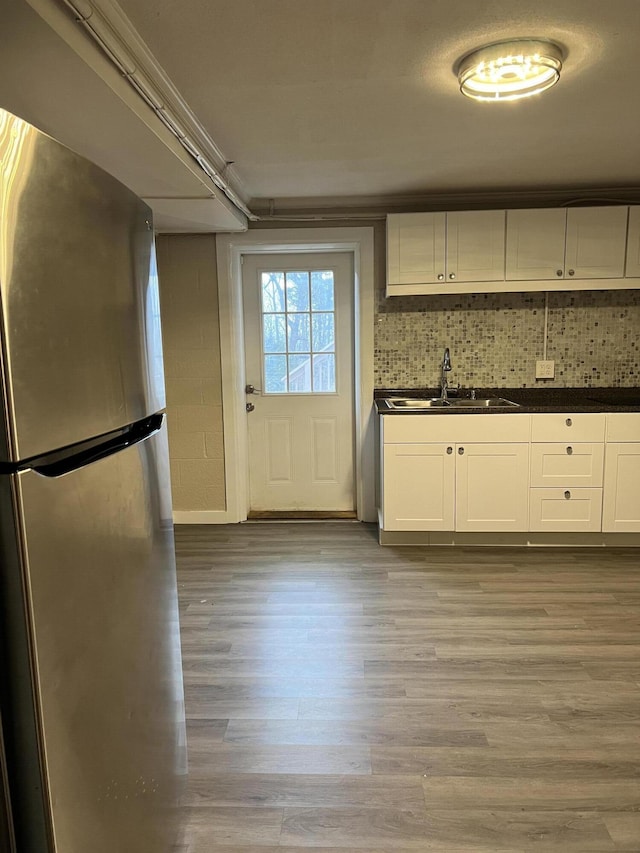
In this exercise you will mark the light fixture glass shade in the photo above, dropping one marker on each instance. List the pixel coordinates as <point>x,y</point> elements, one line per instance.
<point>508,70</point>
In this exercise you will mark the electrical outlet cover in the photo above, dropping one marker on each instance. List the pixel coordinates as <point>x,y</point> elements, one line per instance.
<point>545,369</point>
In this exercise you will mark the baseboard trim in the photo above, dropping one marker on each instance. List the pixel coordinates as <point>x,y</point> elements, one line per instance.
<point>213,516</point>
<point>523,540</point>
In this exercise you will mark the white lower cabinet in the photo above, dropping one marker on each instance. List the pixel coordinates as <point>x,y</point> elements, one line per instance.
<point>492,487</point>
<point>567,454</point>
<point>543,473</point>
<point>477,485</point>
<point>565,510</point>
<point>418,487</point>
<point>567,465</point>
<point>621,510</point>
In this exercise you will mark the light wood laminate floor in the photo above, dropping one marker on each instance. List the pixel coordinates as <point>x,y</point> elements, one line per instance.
<point>343,695</point>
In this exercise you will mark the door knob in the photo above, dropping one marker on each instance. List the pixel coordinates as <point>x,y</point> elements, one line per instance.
<point>251,389</point>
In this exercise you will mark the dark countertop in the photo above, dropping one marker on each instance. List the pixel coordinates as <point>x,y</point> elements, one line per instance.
<point>528,399</point>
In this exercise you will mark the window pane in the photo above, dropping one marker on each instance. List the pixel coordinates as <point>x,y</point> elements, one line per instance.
<point>299,373</point>
<point>273,291</point>
<point>323,332</point>
<point>275,338</point>
<point>275,373</point>
<point>297,291</point>
<point>324,372</point>
<point>322,290</point>
<point>299,339</point>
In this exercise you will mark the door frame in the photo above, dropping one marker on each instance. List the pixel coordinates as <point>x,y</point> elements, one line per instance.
<point>230,248</point>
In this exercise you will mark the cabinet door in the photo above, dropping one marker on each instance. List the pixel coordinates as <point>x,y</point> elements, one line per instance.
<point>418,487</point>
<point>475,246</point>
<point>621,508</point>
<point>633,243</point>
<point>535,244</point>
<point>596,242</point>
<point>415,248</point>
<point>492,487</point>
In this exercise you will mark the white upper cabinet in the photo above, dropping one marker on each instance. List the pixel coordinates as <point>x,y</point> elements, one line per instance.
<point>475,245</point>
<point>574,243</point>
<point>481,251</point>
<point>633,244</point>
<point>444,249</point>
<point>416,247</point>
<point>535,244</point>
<point>596,242</point>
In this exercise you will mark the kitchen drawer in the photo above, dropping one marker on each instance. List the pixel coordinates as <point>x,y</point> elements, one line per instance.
<point>565,510</point>
<point>565,465</point>
<point>568,427</point>
<point>454,428</point>
<point>623,426</point>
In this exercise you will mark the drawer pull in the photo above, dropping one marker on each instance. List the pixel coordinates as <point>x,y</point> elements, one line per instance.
<point>461,450</point>
<point>449,450</point>
<point>567,494</point>
<point>568,421</point>
<point>569,451</point>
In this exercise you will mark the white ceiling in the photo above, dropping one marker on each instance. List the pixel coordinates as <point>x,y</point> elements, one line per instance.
<point>335,104</point>
<point>79,99</point>
<point>344,98</point>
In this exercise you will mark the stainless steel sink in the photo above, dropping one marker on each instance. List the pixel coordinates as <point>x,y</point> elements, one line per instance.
<point>413,403</point>
<point>416,403</point>
<point>481,402</point>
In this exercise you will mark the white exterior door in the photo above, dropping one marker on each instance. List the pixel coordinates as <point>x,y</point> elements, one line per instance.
<point>298,324</point>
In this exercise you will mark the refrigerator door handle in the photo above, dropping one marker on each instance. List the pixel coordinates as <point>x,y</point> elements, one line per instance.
<point>75,459</point>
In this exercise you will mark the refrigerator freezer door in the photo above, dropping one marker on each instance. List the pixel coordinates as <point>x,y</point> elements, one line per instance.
<point>81,348</point>
<point>99,561</point>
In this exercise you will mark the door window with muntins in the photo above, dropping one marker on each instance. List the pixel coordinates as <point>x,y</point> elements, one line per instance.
<point>298,332</point>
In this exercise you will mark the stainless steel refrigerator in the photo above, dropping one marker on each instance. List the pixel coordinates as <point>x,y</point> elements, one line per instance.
<point>92,748</point>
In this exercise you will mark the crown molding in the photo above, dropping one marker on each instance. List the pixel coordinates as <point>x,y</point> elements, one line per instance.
<point>379,205</point>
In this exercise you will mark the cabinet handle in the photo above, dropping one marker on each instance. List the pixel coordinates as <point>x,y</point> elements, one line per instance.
<point>572,272</point>
<point>567,494</point>
<point>452,275</point>
<point>461,450</point>
<point>449,450</point>
<point>569,451</point>
<point>441,276</point>
<point>559,273</point>
<point>568,422</point>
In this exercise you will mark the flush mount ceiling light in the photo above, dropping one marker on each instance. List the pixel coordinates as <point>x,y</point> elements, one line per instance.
<point>508,70</point>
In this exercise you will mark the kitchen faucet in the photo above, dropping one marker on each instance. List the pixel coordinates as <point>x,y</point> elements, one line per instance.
<point>446,367</point>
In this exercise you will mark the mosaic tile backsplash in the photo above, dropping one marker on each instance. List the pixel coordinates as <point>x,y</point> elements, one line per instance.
<point>495,339</point>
